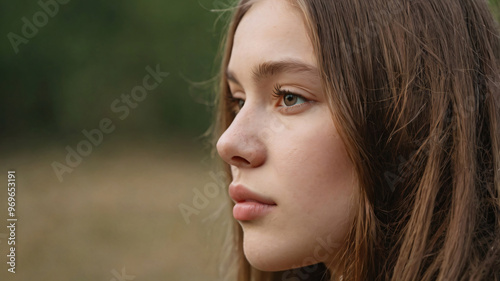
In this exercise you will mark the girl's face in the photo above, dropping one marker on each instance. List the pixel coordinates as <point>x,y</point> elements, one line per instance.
<point>293,183</point>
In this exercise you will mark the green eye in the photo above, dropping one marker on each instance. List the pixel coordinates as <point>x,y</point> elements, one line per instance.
<point>241,103</point>
<point>291,99</point>
<point>235,103</point>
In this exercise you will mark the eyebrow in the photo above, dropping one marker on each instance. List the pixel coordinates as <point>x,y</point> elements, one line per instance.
<point>271,68</point>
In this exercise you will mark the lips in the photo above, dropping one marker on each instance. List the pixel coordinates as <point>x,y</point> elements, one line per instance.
<point>239,194</point>
<point>249,205</point>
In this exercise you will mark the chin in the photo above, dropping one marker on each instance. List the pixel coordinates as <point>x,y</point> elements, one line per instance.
<point>265,262</point>
<point>275,255</point>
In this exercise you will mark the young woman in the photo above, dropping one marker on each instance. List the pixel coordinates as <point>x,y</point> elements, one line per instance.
<point>362,139</point>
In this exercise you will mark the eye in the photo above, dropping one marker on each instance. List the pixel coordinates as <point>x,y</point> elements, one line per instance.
<point>240,102</point>
<point>235,103</point>
<point>292,99</point>
<point>289,99</point>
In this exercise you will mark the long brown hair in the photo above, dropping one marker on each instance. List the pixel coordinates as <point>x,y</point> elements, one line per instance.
<point>416,87</point>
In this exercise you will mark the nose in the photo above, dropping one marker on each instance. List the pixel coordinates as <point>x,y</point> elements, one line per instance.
<point>240,145</point>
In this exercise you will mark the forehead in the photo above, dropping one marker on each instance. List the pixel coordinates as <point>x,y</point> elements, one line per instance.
<point>271,30</point>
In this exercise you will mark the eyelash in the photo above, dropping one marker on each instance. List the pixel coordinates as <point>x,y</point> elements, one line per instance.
<point>279,93</point>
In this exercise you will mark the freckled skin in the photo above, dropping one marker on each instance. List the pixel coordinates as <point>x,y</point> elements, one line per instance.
<point>295,158</point>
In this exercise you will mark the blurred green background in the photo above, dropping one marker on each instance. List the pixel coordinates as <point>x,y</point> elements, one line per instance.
<point>120,207</point>
<point>90,52</point>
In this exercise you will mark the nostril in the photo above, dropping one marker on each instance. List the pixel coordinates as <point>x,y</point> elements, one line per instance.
<point>237,160</point>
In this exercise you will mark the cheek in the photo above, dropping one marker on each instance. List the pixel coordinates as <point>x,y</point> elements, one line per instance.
<point>312,162</point>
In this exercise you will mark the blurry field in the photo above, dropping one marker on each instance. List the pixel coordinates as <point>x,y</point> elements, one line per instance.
<point>118,209</point>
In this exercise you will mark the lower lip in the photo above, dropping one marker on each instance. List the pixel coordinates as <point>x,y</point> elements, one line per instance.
<point>251,210</point>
